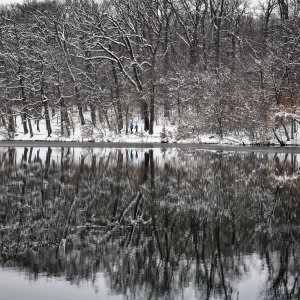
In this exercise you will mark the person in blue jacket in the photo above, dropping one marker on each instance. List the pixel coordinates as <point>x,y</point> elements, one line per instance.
<point>131,127</point>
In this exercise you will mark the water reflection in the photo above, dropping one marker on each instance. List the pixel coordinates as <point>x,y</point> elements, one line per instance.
<point>156,223</point>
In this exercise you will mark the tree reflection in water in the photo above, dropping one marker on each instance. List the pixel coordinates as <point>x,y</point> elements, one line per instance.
<point>155,225</point>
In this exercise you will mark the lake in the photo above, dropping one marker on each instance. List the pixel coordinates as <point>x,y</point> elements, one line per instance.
<point>138,223</point>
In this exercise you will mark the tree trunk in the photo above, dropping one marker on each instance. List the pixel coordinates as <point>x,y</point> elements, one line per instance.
<point>30,127</point>
<point>127,118</point>
<point>195,37</point>
<point>217,11</point>
<point>217,48</point>
<point>79,105</point>
<point>285,130</point>
<point>100,116</point>
<point>119,115</point>
<point>45,103</point>
<point>47,116</point>
<point>152,94</point>
<point>203,31</point>
<point>284,9</point>
<point>24,123</point>
<point>8,109</point>
<point>38,125</point>
<point>178,107</point>
<point>166,36</point>
<point>65,51</point>
<point>145,114</point>
<point>166,106</point>
<point>64,118</point>
<point>233,54</point>
<point>93,114</point>
<point>106,118</point>
<point>152,106</point>
<point>11,124</point>
<point>277,138</point>
<point>118,102</point>
<point>24,115</point>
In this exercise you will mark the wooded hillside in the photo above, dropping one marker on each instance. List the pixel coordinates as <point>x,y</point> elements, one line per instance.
<point>208,66</point>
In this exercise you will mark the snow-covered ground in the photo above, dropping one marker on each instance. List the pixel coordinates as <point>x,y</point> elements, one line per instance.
<point>164,131</point>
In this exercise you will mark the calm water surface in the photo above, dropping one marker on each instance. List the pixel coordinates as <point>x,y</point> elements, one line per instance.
<point>148,224</point>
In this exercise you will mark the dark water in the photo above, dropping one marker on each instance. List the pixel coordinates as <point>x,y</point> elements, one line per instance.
<point>148,224</point>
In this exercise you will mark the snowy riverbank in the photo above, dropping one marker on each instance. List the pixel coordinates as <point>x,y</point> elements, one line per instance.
<point>164,132</point>
<point>146,138</point>
<point>111,137</point>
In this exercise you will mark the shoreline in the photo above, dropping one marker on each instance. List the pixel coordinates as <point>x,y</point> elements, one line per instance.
<point>295,149</point>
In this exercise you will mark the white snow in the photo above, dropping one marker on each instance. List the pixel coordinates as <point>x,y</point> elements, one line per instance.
<point>100,133</point>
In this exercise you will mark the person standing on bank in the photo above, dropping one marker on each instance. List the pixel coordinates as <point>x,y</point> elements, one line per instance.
<point>131,127</point>
<point>136,127</point>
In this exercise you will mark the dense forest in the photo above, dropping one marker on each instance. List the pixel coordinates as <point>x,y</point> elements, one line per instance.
<point>206,66</point>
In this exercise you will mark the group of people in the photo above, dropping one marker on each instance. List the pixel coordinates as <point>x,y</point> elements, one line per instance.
<point>132,126</point>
